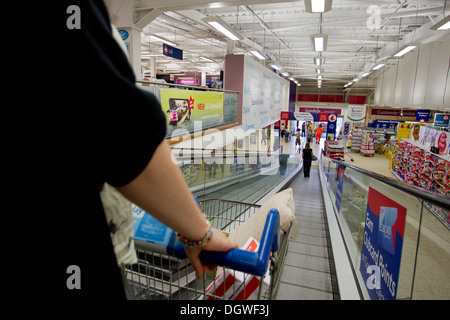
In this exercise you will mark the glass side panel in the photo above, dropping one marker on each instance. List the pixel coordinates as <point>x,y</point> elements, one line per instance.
<point>390,235</point>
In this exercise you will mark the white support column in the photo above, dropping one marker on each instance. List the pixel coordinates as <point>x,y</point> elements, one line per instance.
<point>203,84</point>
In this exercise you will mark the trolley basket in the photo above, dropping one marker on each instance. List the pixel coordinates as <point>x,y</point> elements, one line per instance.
<point>167,274</point>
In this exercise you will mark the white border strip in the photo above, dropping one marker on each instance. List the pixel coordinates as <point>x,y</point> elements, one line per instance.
<point>348,289</point>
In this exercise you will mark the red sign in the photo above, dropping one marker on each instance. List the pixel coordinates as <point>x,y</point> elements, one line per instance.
<point>323,117</point>
<point>394,112</point>
<point>442,142</point>
<point>319,110</point>
<point>284,115</point>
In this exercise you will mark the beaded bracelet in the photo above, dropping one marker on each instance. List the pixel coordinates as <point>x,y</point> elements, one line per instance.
<point>198,243</point>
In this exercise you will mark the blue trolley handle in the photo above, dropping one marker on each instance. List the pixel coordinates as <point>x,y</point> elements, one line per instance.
<point>255,263</point>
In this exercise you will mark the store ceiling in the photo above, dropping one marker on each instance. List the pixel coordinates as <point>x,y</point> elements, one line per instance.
<point>357,39</point>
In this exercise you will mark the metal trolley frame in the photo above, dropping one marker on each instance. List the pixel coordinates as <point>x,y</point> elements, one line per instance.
<point>158,276</point>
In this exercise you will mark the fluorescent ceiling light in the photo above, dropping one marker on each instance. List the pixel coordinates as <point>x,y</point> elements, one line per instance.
<point>444,24</point>
<point>404,51</point>
<point>206,59</point>
<point>319,77</point>
<point>317,6</point>
<point>276,67</point>
<point>258,55</point>
<point>319,71</point>
<point>223,27</point>
<point>378,66</point>
<point>319,61</point>
<point>148,55</point>
<point>365,74</point>
<point>319,41</point>
<point>158,38</point>
<point>286,74</point>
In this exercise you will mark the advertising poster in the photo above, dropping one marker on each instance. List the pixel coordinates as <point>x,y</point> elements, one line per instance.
<point>340,179</point>
<point>331,126</point>
<point>265,94</point>
<point>186,108</point>
<point>404,130</point>
<point>382,247</point>
<point>441,120</point>
<point>357,113</point>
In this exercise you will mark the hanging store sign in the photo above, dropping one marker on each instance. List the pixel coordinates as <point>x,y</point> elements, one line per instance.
<point>331,126</point>
<point>172,52</point>
<point>441,120</point>
<point>320,110</point>
<point>303,116</point>
<point>356,113</point>
<point>423,115</point>
<point>394,113</point>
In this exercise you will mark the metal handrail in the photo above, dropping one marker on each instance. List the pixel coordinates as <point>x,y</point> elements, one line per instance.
<point>426,195</point>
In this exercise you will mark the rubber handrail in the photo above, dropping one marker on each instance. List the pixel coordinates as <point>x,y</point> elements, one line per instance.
<point>255,263</point>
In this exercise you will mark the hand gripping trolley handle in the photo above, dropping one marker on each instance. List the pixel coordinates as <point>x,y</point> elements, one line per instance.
<point>255,263</point>
<point>163,272</point>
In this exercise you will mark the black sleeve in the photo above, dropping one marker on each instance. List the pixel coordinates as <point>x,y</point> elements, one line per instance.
<point>117,125</point>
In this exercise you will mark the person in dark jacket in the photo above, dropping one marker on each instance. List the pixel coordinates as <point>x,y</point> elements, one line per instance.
<point>307,155</point>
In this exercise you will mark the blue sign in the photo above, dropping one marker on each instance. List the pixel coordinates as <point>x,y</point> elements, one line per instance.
<point>384,124</point>
<point>172,52</point>
<point>124,34</point>
<point>147,229</point>
<point>340,178</point>
<point>423,114</point>
<point>441,120</point>
<point>331,126</point>
<point>381,251</point>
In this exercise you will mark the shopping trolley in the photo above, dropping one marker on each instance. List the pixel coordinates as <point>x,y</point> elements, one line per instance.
<point>167,274</point>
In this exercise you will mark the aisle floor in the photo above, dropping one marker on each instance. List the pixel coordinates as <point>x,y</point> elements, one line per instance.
<point>308,272</point>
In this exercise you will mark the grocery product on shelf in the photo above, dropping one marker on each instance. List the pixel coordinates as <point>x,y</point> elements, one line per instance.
<point>367,144</point>
<point>419,167</point>
<point>356,140</point>
<point>333,149</point>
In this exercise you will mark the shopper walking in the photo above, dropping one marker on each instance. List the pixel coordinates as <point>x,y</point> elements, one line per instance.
<point>319,132</point>
<point>298,141</point>
<point>304,129</point>
<point>307,155</point>
<point>108,131</point>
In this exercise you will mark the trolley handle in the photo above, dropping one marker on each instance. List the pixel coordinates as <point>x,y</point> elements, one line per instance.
<point>255,263</point>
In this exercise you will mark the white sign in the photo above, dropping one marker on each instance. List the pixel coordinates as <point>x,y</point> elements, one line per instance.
<point>303,116</point>
<point>356,112</point>
<point>265,95</point>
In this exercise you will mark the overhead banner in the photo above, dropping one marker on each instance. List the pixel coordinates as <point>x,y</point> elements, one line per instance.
<point>303,116</point>
<point>356,113</point>
<point>331,126</point>
<point>441,120</point>
<point>423,115</point>
<point>382,246</point>
<point>184,108</point>
<point>172,52</point>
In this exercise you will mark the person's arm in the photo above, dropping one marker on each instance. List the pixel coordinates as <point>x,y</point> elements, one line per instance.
<point>162,190</point>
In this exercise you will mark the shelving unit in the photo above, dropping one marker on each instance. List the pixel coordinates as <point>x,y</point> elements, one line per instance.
<point>356,140</point>
<point>367,145</point>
